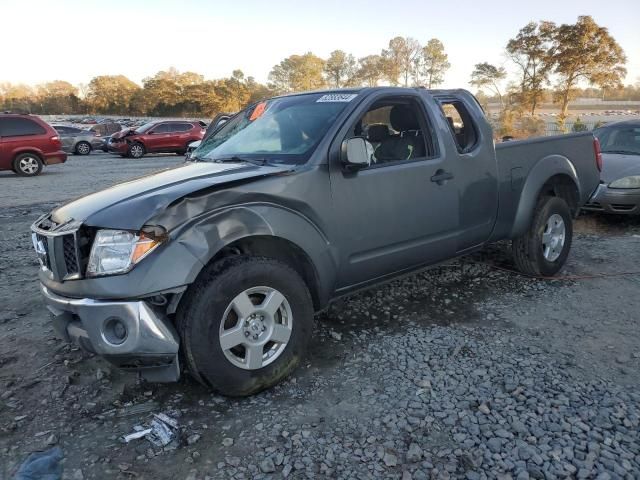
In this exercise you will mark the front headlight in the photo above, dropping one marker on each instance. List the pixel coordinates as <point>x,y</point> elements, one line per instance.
<point>117,251</point>
<point>626,182</point>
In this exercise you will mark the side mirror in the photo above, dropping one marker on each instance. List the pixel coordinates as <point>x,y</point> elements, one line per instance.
<point>355,154</point>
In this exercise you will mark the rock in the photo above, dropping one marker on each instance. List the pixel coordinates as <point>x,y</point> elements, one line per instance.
<point>414,454</point>
<point>192,439</point>
<point>267,466</point>
<point>484,409</point>
<point>390,460</point>
<point>494,444</point>
<point>227,442</point>
<point>335,335</point>
<point>52,439</point>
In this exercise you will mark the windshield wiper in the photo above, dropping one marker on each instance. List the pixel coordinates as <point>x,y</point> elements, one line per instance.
<point>237,159</point>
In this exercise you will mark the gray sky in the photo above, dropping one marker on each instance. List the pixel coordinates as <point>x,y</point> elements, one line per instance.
<point>77,40</point>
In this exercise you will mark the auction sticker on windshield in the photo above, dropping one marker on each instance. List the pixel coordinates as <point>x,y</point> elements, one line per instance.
<point>337,97</point>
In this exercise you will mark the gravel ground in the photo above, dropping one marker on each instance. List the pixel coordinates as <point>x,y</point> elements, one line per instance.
<point>464,371</point>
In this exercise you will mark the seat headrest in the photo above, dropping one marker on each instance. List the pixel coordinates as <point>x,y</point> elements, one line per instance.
<point>377,132</point>
<point>403,118</point>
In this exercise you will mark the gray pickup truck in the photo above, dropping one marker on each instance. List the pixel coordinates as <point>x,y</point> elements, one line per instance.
<point>218,265</point>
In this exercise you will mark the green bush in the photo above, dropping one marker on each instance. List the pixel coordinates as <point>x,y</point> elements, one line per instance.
<point>579,126</point>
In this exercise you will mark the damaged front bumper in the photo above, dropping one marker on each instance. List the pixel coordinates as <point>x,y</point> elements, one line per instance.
<point>130,334</point>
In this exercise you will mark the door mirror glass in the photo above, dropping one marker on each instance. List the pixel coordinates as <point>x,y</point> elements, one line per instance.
<point>355,153</point>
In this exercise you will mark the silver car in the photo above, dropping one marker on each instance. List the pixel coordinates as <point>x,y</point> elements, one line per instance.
<point>619,189</point>
<point>78,141</point>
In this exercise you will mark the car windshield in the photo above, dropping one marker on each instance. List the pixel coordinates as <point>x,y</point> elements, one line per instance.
<point>145,127</point>
<point>281,130</point>
<point>625,140</point>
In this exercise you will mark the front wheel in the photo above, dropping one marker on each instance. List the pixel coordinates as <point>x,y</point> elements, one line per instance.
<point>544,248</point>
<point>245,324</point>
<point>136,150</point>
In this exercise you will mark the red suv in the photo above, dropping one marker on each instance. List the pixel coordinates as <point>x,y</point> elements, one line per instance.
<point>27,143</point>
<point>154,137</point>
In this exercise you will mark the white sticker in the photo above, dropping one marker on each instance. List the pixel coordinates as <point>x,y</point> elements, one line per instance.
<point>337,97</point>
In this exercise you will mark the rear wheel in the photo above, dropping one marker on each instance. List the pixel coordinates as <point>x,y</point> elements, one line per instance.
<point>27,165</point>
<point>83,148</point>
<point>544,249</point>
<point>136,150</point>
<point>245,324</point>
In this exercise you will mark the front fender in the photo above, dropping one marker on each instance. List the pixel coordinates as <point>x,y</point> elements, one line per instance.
<point>207,235</point>
<point>541,172</point>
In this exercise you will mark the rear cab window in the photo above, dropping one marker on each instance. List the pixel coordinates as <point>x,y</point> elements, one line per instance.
<point>18,127</point>
<point>461,124</point>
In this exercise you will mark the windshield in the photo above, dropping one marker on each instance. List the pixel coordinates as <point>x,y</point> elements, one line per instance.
<point>283,129</point>
<point>619,139</point>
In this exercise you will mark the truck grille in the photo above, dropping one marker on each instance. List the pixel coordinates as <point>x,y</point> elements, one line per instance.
<point>57,248</point>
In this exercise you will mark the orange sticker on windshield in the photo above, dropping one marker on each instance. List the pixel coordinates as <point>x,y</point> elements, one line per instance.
<point>258,111</point>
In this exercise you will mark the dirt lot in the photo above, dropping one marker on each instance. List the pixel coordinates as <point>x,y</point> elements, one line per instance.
<point>464,371</point>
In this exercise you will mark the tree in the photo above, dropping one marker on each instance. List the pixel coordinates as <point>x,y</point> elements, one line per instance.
<point>431,64</point>
<point>485,75</point>
<point>579,126</point>
<point>298,73</point>
<point>370,70</point>
<point>531,51</point>
<point>340,69</point>
<point>585,51</point>
<point>57,97</point>
<point>398,61</point>
<point>111,94</point>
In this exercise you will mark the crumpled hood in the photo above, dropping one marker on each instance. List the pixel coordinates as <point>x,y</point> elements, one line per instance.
<point>123,133</point>
<point>616,165</point>
<point>130,204</point>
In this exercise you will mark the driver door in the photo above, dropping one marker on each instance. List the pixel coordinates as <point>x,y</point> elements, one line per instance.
<point>394,215</point>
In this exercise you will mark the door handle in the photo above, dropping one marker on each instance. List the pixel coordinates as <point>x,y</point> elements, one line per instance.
<point>441,176</point>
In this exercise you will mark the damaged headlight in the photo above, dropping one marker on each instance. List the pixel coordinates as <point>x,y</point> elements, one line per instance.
<point>117,251</point>
<point>626,182</point>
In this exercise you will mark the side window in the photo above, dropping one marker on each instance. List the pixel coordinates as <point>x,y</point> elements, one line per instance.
<point>461,124</point>
<point>396,130</point>
<point>162,128</point>
<point>181,127</point>
<point>15,127</point>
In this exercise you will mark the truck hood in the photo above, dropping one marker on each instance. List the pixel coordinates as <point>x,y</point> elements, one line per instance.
<point>616,165</point>
<point>129,205</point>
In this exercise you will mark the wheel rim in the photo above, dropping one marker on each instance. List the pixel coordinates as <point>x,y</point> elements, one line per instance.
<point>136,151</point>
<point>553,237</point>
<point>83,148</point>
<point>28,165</point>
<point>256,328</point>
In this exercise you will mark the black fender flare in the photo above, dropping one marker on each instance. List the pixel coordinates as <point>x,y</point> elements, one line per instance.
<point>541,172</point>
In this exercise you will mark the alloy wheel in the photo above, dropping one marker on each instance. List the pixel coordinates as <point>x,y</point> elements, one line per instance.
<point>256,328</point>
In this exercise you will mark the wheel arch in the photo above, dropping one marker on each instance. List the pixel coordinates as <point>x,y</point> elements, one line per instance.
<point>268,231</point>
<point>555,176</point>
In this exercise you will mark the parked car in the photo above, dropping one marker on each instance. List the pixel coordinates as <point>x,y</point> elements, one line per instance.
<point>220,263</point>
<point>77,140</point>
<point>619,190</point>
<point>104,131</point>
<point>156,137</point>
<point>27,143</point>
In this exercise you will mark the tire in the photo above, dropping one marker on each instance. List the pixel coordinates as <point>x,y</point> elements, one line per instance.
<point>211,308</point>
<point>83,148</point>
<point>544,249</point>
<point>136,150</point>
<point>27,165</point>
